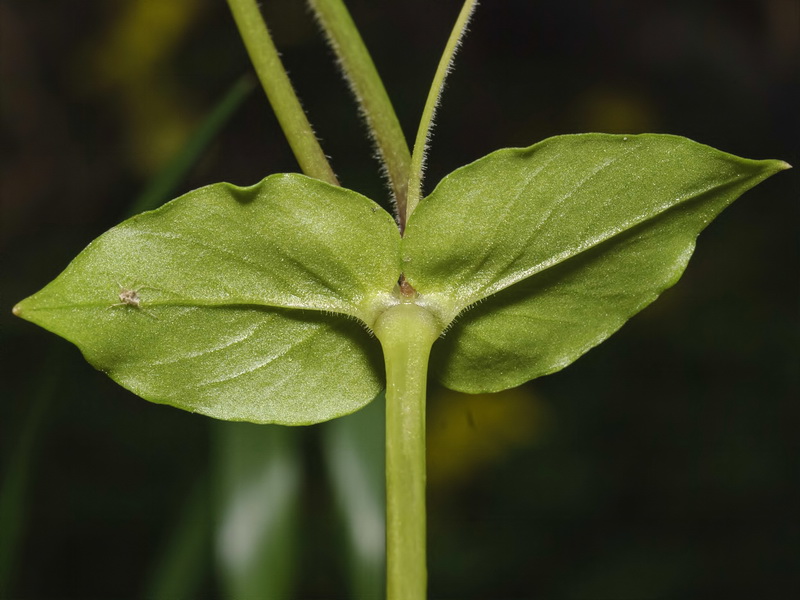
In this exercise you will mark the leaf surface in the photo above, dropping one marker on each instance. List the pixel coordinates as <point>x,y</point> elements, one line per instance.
<point>220,302</point>
<point>560,244</point>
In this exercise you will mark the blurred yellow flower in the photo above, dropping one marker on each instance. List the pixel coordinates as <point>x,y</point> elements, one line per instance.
<point>129,60</point>
<point>468,433</point>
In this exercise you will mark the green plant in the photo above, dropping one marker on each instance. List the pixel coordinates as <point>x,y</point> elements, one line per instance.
<point>238,302</point>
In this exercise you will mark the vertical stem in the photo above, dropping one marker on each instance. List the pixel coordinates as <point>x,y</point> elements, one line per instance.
<point>406,332</point>
<point>367,87</point>
<point>280,92</point>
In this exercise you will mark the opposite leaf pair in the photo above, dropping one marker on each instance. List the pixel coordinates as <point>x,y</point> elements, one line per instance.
<point>527,257</point>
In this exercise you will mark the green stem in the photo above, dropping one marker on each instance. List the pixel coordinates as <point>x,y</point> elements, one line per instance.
<point>406,332</point>
<point>367,87</point>
<point>428,113</point>
<point>280,92</point>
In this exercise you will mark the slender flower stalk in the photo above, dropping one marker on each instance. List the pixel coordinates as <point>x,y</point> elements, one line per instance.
<point>279,90</point>
<point>370,93</point>
<point>428,113</point>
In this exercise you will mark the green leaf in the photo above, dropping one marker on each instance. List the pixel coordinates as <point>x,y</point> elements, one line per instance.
<point>192,304</point>
<point>563,241</point>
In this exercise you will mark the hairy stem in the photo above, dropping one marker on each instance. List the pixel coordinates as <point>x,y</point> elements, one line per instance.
<point>280,92</point>
<point>428,113</point>
<point>367,87</point>
<point>406,332</point>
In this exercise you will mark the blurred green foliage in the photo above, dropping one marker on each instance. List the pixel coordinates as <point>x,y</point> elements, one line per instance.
<point>662,464</point>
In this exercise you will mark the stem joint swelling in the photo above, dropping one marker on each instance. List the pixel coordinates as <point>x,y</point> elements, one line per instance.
<point>407,332</point>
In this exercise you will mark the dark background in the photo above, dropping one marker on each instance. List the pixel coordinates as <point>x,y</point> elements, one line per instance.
<point>662,464</point>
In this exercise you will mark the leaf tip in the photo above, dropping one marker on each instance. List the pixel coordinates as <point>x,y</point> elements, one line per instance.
<point>25,309</point>
<point>22,309</point>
